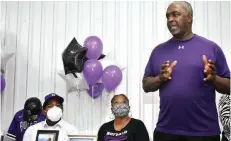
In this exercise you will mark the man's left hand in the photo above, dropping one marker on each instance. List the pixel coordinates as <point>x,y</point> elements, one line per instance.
<point>209,69</point>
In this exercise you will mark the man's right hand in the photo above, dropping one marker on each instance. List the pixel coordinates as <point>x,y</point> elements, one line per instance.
<point>166,70</point>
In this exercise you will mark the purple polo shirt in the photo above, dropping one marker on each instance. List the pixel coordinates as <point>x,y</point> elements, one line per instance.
<point>187,102</point>
<point>18,126</point>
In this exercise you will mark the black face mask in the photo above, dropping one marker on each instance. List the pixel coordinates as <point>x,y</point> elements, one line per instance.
<point>32,109</point>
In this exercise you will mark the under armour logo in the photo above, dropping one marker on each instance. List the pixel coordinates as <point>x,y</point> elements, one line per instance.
<point>180,47</point>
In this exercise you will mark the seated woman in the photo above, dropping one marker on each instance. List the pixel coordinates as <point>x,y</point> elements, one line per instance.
<point>123,127</point>
<point>224,111</point>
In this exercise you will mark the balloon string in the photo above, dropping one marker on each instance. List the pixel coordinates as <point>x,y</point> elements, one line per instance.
<point>92,107</point>
<point>78,91</point>
<point>93,87</point>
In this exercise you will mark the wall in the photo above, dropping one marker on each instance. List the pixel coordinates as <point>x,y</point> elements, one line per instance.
<point>38,32</point>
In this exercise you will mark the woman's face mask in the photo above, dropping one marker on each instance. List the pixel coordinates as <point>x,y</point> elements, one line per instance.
<point>54,114</point>
<point>121,110</point>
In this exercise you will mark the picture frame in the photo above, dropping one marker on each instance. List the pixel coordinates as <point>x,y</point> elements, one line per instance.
<point>82,138</point>
<point>47,135</point>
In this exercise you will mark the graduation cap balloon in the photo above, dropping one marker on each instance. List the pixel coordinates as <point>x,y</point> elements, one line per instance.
<point>74,57</point>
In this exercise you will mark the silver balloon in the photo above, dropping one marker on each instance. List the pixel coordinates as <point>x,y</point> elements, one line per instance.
<point>74,84</point>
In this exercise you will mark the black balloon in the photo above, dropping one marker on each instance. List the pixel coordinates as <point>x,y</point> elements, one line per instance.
<point>101,56</point>
<point>74,57</point>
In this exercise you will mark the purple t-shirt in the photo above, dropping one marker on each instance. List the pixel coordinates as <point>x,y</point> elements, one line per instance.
<point>187,102</point>
<point>18,126</point>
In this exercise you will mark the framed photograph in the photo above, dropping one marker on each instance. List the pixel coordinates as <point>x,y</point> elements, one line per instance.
<point>47,135</point>
<point>82,138</point>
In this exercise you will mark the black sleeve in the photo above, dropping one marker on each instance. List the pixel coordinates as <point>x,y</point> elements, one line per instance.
<point>101,133</point>
<point>141,132</point>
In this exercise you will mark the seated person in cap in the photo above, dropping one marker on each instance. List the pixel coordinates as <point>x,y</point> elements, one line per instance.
<point>30,115</point>
<point>53,109</point>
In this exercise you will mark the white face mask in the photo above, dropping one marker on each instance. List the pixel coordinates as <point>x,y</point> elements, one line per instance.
<point>54,114</point>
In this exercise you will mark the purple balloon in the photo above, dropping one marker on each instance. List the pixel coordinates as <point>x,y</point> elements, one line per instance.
<point>95,90</point>
<point>94,47</point>
<point>112,76</point>
<point>3,83</point>
<point>92,71</point>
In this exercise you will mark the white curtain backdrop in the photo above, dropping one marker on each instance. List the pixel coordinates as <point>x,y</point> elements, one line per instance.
<point>38,32</point>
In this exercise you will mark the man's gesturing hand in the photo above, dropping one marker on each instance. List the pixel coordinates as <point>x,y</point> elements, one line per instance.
<point>166,70</point>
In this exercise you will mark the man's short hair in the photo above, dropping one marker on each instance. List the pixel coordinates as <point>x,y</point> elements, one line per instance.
<point>189,8</point>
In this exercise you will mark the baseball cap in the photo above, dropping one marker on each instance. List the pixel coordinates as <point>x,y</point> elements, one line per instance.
<point>52,95</point>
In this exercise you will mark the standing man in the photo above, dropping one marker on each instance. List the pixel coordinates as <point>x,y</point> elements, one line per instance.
<point>53,109</point>
<point>187,70</point>
<point>30,115</point>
